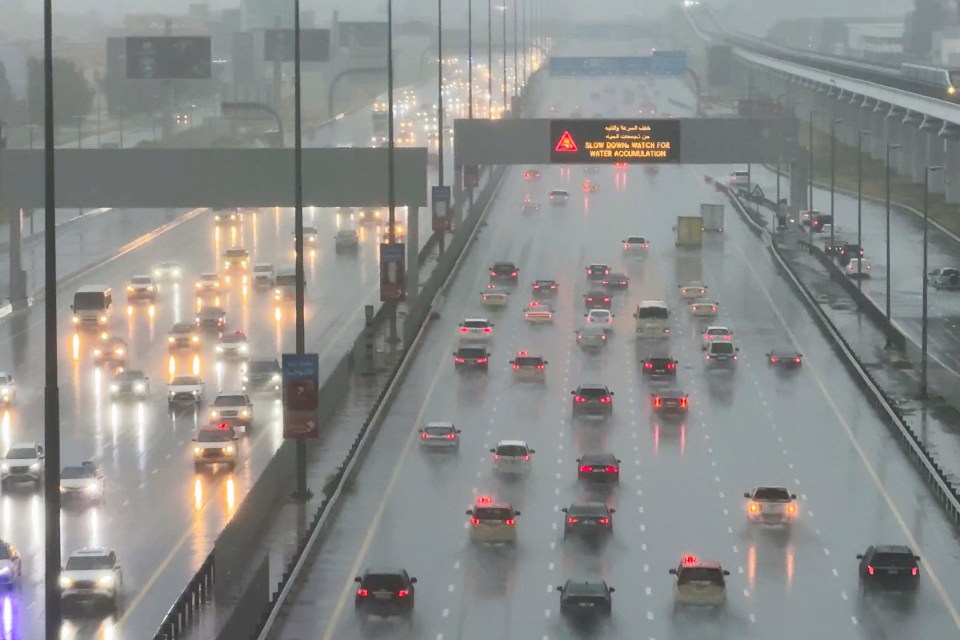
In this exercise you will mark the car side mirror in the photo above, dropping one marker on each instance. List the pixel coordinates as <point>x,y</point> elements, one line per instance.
<point>573,393</point>
<point>413,581</point>
<point>516,513</point>
<point>746,495</point>
<point>564,510</point>
<point>40,449</point>
<point>793,496</point>
<point>613,510</point>
<point>513,362</point>
<point>357,579</point>
<point>726,573</point>
<point>619,461</point>
<point>859,556</point>
<point>493,450</point>
<point>469,512</point>
<point>545,362</point>
<point>420,430</point>
<point>118,567</point>
<point>458,430</point>
<point>612,393</point>
<point>737,348</point>
<point>560,589</point>
<point>235,438</point>
<point>532,451</point>
<point>578,460</point>
<point>611,590</point>
<point>492,325</point>
<point>673,572</point>
<point>193,440</point>
<point>916,558</point>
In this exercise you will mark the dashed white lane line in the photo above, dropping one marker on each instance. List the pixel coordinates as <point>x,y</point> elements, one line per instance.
<point>450,588</point>
<point>854,620</point>
<point>753,618</point>
<point>456,565</point>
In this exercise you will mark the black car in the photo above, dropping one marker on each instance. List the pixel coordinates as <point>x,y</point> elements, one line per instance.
<point>659,367</point>
<point>832,249</point>
<point>585,599</point>
<point>588,519</point>
<point>471,357</point>
<point>670,401</point>
<point>597,271</point>
<point>596,300</point>
<point>385,592</point>
<point>544,287</point>
<point>889,568</point>
<point>817,220</point>
<point>616,281</point>
<point>785,358</point>
<point>504,271</point>
<point>262,375</point>
<point>595,399</point>
<point>848,250</point>
<point>598,467</point>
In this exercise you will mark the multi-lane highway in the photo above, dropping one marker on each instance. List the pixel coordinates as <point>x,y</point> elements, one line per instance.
<point>681,483</point>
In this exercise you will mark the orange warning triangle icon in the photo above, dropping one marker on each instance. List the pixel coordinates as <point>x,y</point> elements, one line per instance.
<point>566,143</point>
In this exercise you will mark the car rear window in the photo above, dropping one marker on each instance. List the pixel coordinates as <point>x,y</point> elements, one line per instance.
<point>593,392</point>
<point>264,366</point>
<point>262,268</point>
<point>229,401</point>
<point>472,353</point>
<point>493,514</point>
<point>386,581</point>
<point>722,348</point>
<point>527,361</point>
<point>587,510</point>
<point>635,240</point>
<point>436,431</point>
<point>511,450</point>
<point>24,453</point>
<point>768,493</point>
<point>558,193</point>
<point>700,574</point>
<point>476,324</point>
<point>894,560</point>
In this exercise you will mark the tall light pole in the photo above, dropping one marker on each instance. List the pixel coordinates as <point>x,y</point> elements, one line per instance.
<point>470,59</point>
<point>923,322</point>
<point>440,93</point>
<point>833,176</point>
<point>890,147</point>
<point>489,58</point>
<point>523,42</point>
<point>516,60</point>
<point>813,112</point>
<point>503,11</point>
<point>860,135</point>
<point>391,146</point>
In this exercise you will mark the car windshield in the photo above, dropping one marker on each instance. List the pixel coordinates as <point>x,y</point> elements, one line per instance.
<point>230,401</point>
<point>511,450</point>
<point>528,361</point>
<point>4,552</point>
<point>88,563</point>
<point>182,328</point>
<point>184,380</point>
<point>141,280</point>
<point>894,560</point>
<point>233,337</point>
<point>771,493</point>
<point>264,366</point>
<point>559,193</point>
<point>722,348</point>
<point>493,513</point>
<point>215,435</point>
<point>22,453</point>
<point>263,268</point>
<point>700,574</point>
<point>383,581</point>
<point>209,277</point>
<point>236,253</point>
<point>592,392</point>
<point>77,473</point>
<point>211,312</point>
<point>129,376</point>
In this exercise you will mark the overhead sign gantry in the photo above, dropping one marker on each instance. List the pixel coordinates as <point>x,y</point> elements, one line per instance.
<point>615,140</point>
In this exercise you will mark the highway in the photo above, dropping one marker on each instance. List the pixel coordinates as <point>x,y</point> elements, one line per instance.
<point>159,516</point>
<point>681,484</point>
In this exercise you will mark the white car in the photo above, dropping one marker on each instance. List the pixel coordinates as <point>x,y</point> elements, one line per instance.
<point>494,297</point>
<point>11,564</point>
<point>440,436</point>
<point>537,312</point>
<point>207,283</point>
<point>723,334</point>
<point>771,506</point>
<point>142,287</point>
<point>235,409</point>
<point>215,444</point>
<point>635,245</point>
<point>740,179</point>
<point>8,388</point>
<point>83,482</point>
<point>23,463</point>
<point>858,268</point>
<point>233,346</point>
<point>704,309</point>
<point>346,240</point>
<point>476,329</point>
<point>264,274</point>
<point>693,289</point>
<point>512,457</point>
<point>92,576</point>
<point>185,391</point>
<point>558,197</point>
<point>699,583</point>
<point>600,317</point>
<point>168,270</point>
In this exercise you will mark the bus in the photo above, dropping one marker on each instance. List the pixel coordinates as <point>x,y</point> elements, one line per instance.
<point>653,320</point>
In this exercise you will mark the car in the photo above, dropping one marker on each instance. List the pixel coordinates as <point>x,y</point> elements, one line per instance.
<point>585,599</point>
<point>167,270</point>
<point>592,399</point>
<point>236,258</point>
<point>621,165</point>
<point>558,197</point>
<point>494,297</point>
<point>476,330</point>
<point>616,281</point>
<point>183,336</point>
<point>212,317</point>
<point>659,367</point>
<point>544,287</point>
<point>693,289</point>
<point>944,278</point>
<point>771,506</point>
<point>260,375</point>
<point>129,384</point>
<point>370,215</point>
<point>716,333</point>
<point>492,522</point>
<point>226,217</point>
<point>591,337</point>
<point>310,235</point>
<point>785,358</point>
<point>598,467</point>
<point>589,186</point>
<point>721,355</point>
<point>699,582</point>
<point>208,284</point>
<point>821,221</point>
<point>806,217</point>
<point>848,251</point>
<point>8,388</point>
<point>474,356</point>
<point>346,240</point>
<point>531,174</point>
<point>11,564</point>
<point>670,402</point>
<point>554,108</point>
<point>528,367</point>
<point>512,457</point>
<point>110,350</point>
<point>889,568</point>
<point>596,300</point>
<point>142,289</point>
<point>833,248</point>
<point>384,592</point>
<point>576,112</point>
<point>399,232</point>
<point>704,309</point>
<point>505,271</point>
<point>600,317</point>
<point>214,444</point>
<point>233,346</point>
<point>84,482</point>
<point>233,408</point>
<point>439,436</point>
<point>92,576</point>
<point>264,275</point>
<point>740,178</point>
<point>185,391</point>
<point>538,313</point>
<point>858,268</point>
<point>529,206</point>
<point>24,462</point>
<point>588,519</point>
<point>597,271</point>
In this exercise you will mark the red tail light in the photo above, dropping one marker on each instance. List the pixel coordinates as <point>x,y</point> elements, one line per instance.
<point>915,571</point>
<point>606,299</point>
<point>589,299</point>
<point>536,286</point>
<point>586,469</point>
<point>363,593</point>
<point>510,522</point>
<point>796,360</point>
<point>496,456</point>
<point>713,308</point>
<point>870,569</point>
<point>579,399</point>
<point>645,245</point>
<point>604,520</point>
<point>458,360</point>
<point>626,245</point>
<point>648,365</point>
<point>611,469</point>
<point>481,361</point>
<point>527,457</point>
<point>474,521</point>
<point>773,360</point>
<point>403,593</point>
<point>571,521</point>
<point>606,400</point>
<point>493,273</point>
<point>514,273</point>
<point>451,436</point>
<point>683,402</point>
<point>487,329</point>
<point>464,329</point>
<point>540,367</point>
<point>671,366</point>
<point>657,402</point>
<point>424,436</point>
<point>516,367</point>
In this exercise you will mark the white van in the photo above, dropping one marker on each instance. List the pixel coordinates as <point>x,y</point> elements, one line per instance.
<point>285,284</point>
<point>653,319</point>
<point>92,306</point>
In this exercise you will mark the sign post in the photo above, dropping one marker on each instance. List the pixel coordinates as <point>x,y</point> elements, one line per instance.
<point>471,176</point>
<point>605,141</point>
<point>301,388</point>
<point>440,200</point>
<point>392,263</point>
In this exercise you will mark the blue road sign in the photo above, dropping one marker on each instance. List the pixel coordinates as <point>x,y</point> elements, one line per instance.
<point>668,63</point>
<point>392,252</point>
<point>301,385</point>
<point>440,194</point>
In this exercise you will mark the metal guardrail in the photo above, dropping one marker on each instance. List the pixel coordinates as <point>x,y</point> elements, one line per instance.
<point>942,488</point>
<point>197,593</point>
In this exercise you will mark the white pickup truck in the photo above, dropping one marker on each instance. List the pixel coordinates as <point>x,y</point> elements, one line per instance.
<point>185,391</point>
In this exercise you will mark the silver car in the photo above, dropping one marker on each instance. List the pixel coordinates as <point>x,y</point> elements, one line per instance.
<point>592,337</point>
<point>440,436</point>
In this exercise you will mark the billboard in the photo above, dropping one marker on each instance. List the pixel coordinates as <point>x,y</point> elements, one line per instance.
<point>392,262</point>
<point>614,140</point>
<point>301,390</point>
<point>168,58</point>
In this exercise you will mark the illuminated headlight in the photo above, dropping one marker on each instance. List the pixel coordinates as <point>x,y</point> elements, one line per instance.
<point>139,387</point>
<point>245,413</point>
<point>276,295</point>
<point>195,339</point>
<point>275,377</point>
<point>150,287</point>
<point>65,582</point>
<point>63,489</point>
<point>219,348</point>
<point>105,581</point>
<point>119,352</point>
<point>4,467</point>
<point>226,265</point>
<point>197,451</point>
<point>214,413</point>
<point>229,448</point>
<point>35,466</point>
<point>76,320</point>
<point>244,348</point>
<point>176,273</point>
<point>97,352</point>
<point>102,318</point>
<point>93,487</point>
<point>129,289</point>
<point>198,285</point>
<point>156,273</point>
<point>170,339</point>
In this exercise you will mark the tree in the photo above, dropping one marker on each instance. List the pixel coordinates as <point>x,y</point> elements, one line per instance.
<point>72,94</point>
<point>10,106</point>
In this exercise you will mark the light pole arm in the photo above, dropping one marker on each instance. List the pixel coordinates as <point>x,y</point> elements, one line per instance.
<point>238,109</point>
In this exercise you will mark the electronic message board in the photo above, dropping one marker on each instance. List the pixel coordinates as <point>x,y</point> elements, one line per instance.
<point>605,141</point>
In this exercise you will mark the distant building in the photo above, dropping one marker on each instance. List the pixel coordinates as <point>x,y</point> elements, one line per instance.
<point>865,38</point>
<point>946,47</point>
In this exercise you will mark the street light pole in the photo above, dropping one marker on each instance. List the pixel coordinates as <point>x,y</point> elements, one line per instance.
<point>504,21</point>
<point>887,172</point>
<point>489,58</point>
<point>516,60</point>
<point>833,176</point>
<point>391,146</point>
<point>440,97</point>
<point>470,59</point>
<point>523,42</point>
<point>860,135</point>
<point>923,322</point>
<point>810,177</point>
